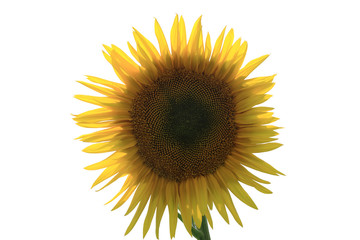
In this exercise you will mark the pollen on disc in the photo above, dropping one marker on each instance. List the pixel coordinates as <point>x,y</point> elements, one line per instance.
<point>184,124</point>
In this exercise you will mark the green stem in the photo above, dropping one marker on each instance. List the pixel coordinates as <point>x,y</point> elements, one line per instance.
<point>203,232</point>
<point>205,228</point>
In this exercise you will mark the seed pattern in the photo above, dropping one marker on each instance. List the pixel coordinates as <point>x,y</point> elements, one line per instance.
<point>184,124</point>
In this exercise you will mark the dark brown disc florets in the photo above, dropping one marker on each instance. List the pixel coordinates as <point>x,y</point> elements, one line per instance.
<point>184,124</point>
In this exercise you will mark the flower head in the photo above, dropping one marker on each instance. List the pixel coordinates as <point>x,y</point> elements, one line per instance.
<point>183,125</point>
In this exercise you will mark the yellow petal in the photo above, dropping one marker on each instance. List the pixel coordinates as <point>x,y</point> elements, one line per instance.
<point>202,194</point>
<point>131,183</point>
<point>258,131</point>
<point>141,193</point>
<point>182,34</point>
<point>255,118</point>
<point>133,52</point>
<point>124,198</point>
<point>102,90</point>
<point>244,72</point>
<point>138,212</point>
<point>131,85</point>
<point>112,180</point>
<point>120,143</point>
<point>230,205</point>
<point>207,47</point>
<point>102,135</point>
<point>261,148</point>
<point>117,157</point>
<point>93,137</point>
<point>96,125</point>
<point>109,161</point>
<point>185,208</point>
<point>227,44</point>
<point>201,57</point>
<point>161,206</point>
<point>148,47</point>
<point>122,173</point>
<point>242,172</point>
<point>99,114</point>
<point>107,173</point>
<point>251,161</point>
<point>194,37</point>
<point>217,197</point>
<point>101,147</point>
<point>147,63</point>
<point>116,86</point>
<point>164,48</point>
<point>233,51</point>
<point>250,141</point>
<point>257,80</point>
<point>208,216</point>
<point>237,189</point>
<point>103,115</point>
<point>210,201</point>
<point>152,206</point>
<point>218,44</point>
<point>172,202</point>
<point>107,57</point>
<point>174,36</point>
<point>103,101</point>
<point>242,52</point>
<point>125,62</point>
<point>246,177</point>
<point>138,173</point>
<point>231,73</point>
<point>246,104</point>
<point>237,55</point>
<point>257,89</point>
<point>194,199</point>
<point>226,196</point>
<point>256,112</point>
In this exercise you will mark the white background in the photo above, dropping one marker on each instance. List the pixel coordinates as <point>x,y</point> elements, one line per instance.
<point>46,45</point>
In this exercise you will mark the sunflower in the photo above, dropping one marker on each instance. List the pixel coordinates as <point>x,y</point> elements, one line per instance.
<point>182,126</point>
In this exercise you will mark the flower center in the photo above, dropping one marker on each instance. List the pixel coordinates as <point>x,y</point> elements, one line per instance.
<point>188,120</point>
<point>184,124</point>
